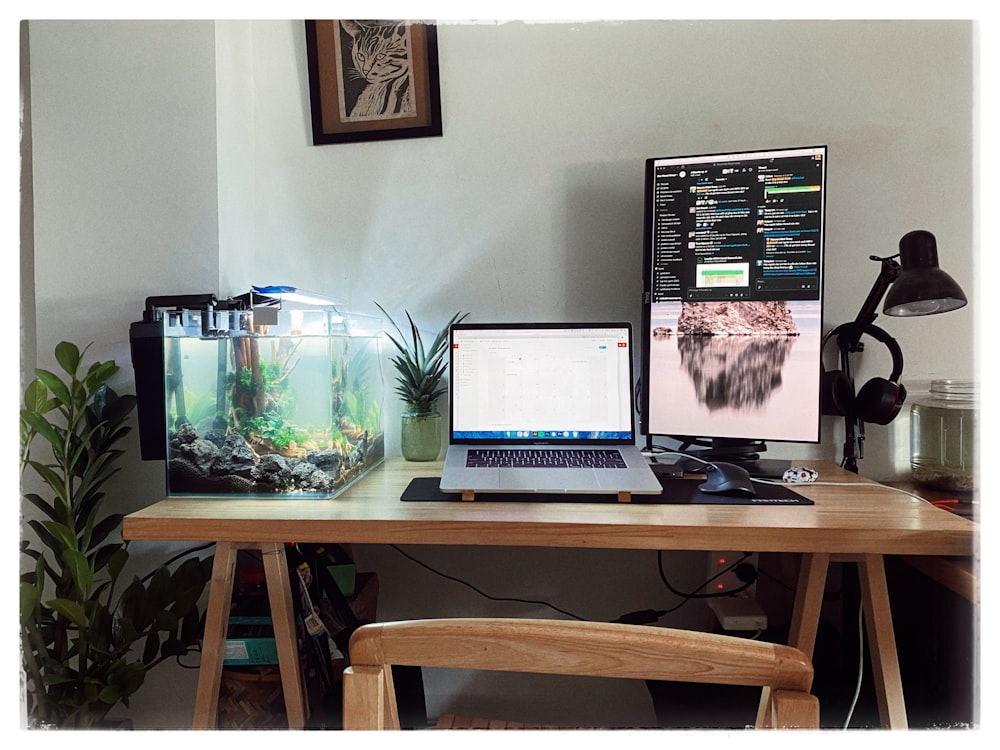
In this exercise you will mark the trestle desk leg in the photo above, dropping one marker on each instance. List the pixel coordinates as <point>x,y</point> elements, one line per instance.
<point>206,705</point>
<point>279,594</point>
<point>881,642</point>
<point>220,597</point>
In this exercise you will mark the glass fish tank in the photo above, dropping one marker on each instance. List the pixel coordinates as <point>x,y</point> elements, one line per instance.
<point>279,396</point>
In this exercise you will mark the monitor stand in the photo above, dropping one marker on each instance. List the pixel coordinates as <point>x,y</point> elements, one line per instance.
<point>761,468</point>
<point>740,452</point>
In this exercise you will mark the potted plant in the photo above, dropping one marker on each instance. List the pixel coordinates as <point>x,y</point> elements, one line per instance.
<point>419,372</point>
<point>80,618</point>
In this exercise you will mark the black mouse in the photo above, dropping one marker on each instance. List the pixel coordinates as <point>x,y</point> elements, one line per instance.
<point>727,479</point>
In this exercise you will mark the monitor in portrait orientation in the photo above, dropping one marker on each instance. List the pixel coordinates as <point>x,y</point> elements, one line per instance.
<point>732,300</point>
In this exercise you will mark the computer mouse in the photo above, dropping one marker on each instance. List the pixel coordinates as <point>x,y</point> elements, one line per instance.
<point>727,479</point>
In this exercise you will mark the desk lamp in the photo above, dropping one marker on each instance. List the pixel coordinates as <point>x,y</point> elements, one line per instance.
<point>915,286</point>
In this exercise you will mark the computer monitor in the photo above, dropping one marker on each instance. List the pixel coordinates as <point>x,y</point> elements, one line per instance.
<point>732,301</point>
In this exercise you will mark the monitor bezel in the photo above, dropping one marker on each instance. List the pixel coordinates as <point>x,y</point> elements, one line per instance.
<point>734,446</point>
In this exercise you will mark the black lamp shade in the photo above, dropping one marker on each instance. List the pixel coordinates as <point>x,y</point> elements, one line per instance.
<point>922,288</point>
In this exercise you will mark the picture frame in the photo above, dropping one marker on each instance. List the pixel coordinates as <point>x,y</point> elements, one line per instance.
<point>373,80</point>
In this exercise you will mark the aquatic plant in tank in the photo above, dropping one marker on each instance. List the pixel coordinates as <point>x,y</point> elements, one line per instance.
<point>273,396</point>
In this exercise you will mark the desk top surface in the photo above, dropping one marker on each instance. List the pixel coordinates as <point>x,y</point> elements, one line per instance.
<point>864,518</point>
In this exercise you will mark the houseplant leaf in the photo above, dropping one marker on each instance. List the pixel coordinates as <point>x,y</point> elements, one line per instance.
<point>76,642</point>
<point>71,610</point>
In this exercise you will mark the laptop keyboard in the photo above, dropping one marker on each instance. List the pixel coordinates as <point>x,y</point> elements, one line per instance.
<point>546,458</point>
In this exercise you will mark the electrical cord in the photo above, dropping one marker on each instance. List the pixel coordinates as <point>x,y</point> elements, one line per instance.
<point>745,572</point>
<point>648,616</point>
<point>639,617</point>
<point>861,665</point>
<point>660,450</point>
<point>178,556</point>
<point>777,580</point>
<point>480,591</point>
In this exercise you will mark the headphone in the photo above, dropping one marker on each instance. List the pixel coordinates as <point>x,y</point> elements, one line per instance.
<point>879,400</point>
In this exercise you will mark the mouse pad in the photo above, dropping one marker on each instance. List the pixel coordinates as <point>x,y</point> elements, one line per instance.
<point>676,491</point>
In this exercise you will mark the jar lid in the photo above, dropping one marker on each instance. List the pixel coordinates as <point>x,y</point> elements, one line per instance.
<point>955,389</point>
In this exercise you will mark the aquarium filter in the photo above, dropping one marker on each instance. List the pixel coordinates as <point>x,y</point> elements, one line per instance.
<point>146,343</point>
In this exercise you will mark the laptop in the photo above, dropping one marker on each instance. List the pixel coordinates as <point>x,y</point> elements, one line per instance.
<point>543,408</point>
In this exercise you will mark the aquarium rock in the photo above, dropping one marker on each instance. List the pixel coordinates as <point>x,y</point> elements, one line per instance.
<point>235,457</point>
<point>200,465</point>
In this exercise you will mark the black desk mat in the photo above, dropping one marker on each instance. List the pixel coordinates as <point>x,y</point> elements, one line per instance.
<point>676,491</point>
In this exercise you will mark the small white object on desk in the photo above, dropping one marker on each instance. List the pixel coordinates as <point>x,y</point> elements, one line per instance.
<point>799,475</point>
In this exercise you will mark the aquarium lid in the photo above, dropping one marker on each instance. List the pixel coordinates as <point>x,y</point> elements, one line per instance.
<point>277,294</point>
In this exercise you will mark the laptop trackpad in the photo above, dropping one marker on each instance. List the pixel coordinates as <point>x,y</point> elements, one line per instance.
<point>543,480</point>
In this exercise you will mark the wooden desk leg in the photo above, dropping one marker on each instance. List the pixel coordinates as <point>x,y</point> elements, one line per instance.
<point>279,594</point>
<point>805,618</point>
<point>206,706</point>
<point>882,642</point>
<point>808,602</point>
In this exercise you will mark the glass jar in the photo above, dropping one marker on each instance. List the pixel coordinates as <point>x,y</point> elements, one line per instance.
<point>421,435</point>
<point>944,425</point>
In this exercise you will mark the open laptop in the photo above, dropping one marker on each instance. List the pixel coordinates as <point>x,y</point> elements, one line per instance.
<point>523,396</point>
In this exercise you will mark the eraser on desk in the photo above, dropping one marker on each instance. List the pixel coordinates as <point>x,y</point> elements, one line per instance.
<point>799,475</point>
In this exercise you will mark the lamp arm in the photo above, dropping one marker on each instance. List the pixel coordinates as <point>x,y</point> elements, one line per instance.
<point>887,274</point>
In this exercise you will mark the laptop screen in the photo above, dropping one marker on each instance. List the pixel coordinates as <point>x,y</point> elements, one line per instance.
<point>541,383</point>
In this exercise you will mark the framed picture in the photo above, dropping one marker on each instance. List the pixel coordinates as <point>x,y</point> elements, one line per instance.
<point>373,80</point>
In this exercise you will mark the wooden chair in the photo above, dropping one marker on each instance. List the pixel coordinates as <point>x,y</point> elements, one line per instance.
<point>573,648</point>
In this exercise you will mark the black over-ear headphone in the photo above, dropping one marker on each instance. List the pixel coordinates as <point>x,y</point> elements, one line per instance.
<point>879,400</point>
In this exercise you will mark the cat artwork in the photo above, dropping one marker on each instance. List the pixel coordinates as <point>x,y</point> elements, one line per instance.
<point>379,75</point>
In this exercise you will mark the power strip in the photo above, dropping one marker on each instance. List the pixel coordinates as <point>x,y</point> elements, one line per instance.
<point>739,611</point>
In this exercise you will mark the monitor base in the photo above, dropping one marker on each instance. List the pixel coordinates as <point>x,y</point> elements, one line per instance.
<point>693,454</point>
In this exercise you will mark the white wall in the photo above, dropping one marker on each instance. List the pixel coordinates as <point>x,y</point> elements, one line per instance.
<point>176,157</point>
<point>529,206</point>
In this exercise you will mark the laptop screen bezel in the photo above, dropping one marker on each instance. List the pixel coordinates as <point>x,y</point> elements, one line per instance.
<point>624,325</point>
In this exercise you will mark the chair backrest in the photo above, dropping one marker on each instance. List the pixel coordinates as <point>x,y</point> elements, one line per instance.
<point>573,648</point>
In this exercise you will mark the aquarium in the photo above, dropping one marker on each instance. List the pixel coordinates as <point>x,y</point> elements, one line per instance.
<point>272,397</point>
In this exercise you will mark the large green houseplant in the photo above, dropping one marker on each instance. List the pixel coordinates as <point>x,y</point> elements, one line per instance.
<point>81,620</point>
<point>419,370</point>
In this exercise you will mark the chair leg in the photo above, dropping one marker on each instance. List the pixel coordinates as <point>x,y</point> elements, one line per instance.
<point>805,619</point>
<point>369,700</point>
<point>794,710</point>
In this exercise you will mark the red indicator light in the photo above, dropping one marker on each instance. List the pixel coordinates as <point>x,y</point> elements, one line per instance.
<point>719,587</point>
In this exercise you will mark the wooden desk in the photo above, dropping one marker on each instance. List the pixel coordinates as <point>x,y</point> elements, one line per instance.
<point>960,574</point>
<point>846,523</point>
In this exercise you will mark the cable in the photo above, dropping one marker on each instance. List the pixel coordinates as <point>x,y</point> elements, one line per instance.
<point>711,595</point>
<point>483,593</point>
<point>659,450</point>
<point>861,665</point>
<point>178,556</point>
<point>777,580</point>
<point>648,616</point>
<point>638,617</point>
<point>850,485</point>
<point>182,665</point>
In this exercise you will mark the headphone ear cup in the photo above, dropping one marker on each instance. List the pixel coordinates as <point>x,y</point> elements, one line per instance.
<point>879,401</point>
<point>838,395</point>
